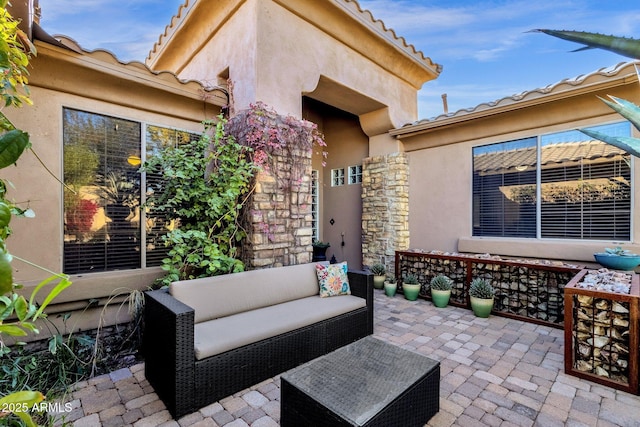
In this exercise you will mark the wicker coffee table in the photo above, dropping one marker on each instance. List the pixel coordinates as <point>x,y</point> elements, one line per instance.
<point>367,383</point>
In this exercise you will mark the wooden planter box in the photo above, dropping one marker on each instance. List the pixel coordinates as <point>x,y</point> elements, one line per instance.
<point>601,335</point>
<point>527,291</point>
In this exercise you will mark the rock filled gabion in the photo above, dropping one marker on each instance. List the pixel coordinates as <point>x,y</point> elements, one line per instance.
<point>531,289</point>
<point>607,281</point>
<point>601,337</point>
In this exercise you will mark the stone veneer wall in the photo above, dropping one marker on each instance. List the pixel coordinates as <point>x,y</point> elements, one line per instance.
<point>385,208</point>
<point>278,219</point>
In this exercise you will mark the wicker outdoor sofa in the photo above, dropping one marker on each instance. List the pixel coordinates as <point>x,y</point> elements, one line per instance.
<point>206,339</point>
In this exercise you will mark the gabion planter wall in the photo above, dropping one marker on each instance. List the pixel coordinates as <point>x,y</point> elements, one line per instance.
<point>601,331</point>
<point>527,290</point>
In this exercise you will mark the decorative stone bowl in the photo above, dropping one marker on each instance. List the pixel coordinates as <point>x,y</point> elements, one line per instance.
<point>617,262</point>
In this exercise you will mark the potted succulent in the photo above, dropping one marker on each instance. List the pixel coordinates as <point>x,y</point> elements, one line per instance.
<point>390,286</point>
<point>410,287</point>
<point>320,250</point>
<point>481,295</point>
<point>618,258</point>
<point>440,290</point>
<point>378,270</point>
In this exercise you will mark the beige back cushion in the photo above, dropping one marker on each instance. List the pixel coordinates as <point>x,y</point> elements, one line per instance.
<point>219,296</point>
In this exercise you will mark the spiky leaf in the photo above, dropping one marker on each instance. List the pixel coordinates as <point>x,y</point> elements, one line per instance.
<point>626,143</point>
<point>621,45</point>
<point>626,109</point>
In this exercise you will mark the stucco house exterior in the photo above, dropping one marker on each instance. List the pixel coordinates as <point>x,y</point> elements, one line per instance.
<point>391,182</point>
<point>581,195</point>
<point>352,76</point>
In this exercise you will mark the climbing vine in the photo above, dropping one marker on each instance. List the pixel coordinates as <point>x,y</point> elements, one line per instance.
<point>202,189</point>
<point>268,133</point>
<point>205,186</point>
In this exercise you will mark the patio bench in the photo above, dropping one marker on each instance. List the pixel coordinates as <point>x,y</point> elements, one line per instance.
<point>206,339</point>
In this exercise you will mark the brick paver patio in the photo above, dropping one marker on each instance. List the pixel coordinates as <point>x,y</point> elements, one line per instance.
<point>494,372</point>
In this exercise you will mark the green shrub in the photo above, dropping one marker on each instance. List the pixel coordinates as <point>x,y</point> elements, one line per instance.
<point>203,188</point>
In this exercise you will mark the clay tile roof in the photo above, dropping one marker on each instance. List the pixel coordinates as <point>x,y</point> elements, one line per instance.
<point>351,6</point>
<point>525,97</point>
<point>167,78</point>
<point>551,154</point>
<point>366,16</point>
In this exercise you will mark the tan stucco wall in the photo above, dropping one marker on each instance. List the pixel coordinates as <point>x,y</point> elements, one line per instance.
<point>59,79</point>
<point>346,146</point>
<point>441,176</point>
<point>274,56</point>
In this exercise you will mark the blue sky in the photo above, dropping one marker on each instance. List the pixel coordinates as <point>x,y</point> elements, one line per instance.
<point>484,46</point>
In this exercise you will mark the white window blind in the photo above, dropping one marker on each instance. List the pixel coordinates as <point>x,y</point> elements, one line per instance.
<point>557,186</point>
<point>102,198</point>
<point>103,194</point>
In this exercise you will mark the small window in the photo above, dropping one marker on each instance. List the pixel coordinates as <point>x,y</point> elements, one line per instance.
<point>315,205</point>
<point>337,177</point>
<point>355,174</point>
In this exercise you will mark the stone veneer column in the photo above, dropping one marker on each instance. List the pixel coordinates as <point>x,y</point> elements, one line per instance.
<point>279,219</point>
<point>385,208</point>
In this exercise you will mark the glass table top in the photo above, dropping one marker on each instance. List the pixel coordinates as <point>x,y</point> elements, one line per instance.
<point>357,381</point>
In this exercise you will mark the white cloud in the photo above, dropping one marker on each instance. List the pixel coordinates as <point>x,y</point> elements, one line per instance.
<point>129,29</point>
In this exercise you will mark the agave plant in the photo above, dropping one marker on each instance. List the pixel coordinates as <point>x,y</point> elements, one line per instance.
<point>378,269</point>
<point>481,288</point>
<point>410,279</point>
<point>441,283</point>
<point>619,251</point>
<point>623,46</point>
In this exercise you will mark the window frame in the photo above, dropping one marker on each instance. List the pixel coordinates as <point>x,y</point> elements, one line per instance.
<point>538,204</point>
<point>143,144</point>
<point>357,175</point>
<point>338,177</point>
<point>315,204</point>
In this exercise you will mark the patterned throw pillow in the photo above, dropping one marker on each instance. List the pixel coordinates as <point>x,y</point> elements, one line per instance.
<point>333,279</point>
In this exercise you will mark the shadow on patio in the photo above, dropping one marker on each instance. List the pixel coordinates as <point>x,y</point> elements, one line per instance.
<point>494,372</point>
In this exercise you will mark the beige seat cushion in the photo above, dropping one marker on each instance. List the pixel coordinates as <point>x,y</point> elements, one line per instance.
<point>220,335</point>
<point>220,296</point>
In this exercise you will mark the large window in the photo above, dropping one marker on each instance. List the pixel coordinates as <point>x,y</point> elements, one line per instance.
<point>103,192</point>
<point>558,186</point>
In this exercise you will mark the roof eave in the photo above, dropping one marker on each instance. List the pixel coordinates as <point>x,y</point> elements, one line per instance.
<point>105,62</point>
<point>552,93</point>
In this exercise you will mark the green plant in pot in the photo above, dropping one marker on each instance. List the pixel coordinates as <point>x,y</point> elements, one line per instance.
<point>378,270</point>
<point>390,286</point>
<point>440,290</point>
<point>410,287</point>
<point>618,258</point>
<point>481,295</point>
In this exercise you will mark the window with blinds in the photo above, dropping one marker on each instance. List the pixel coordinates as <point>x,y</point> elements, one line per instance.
<point>103,196</point>
<point>157,225</point>
<point>557,186</point>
